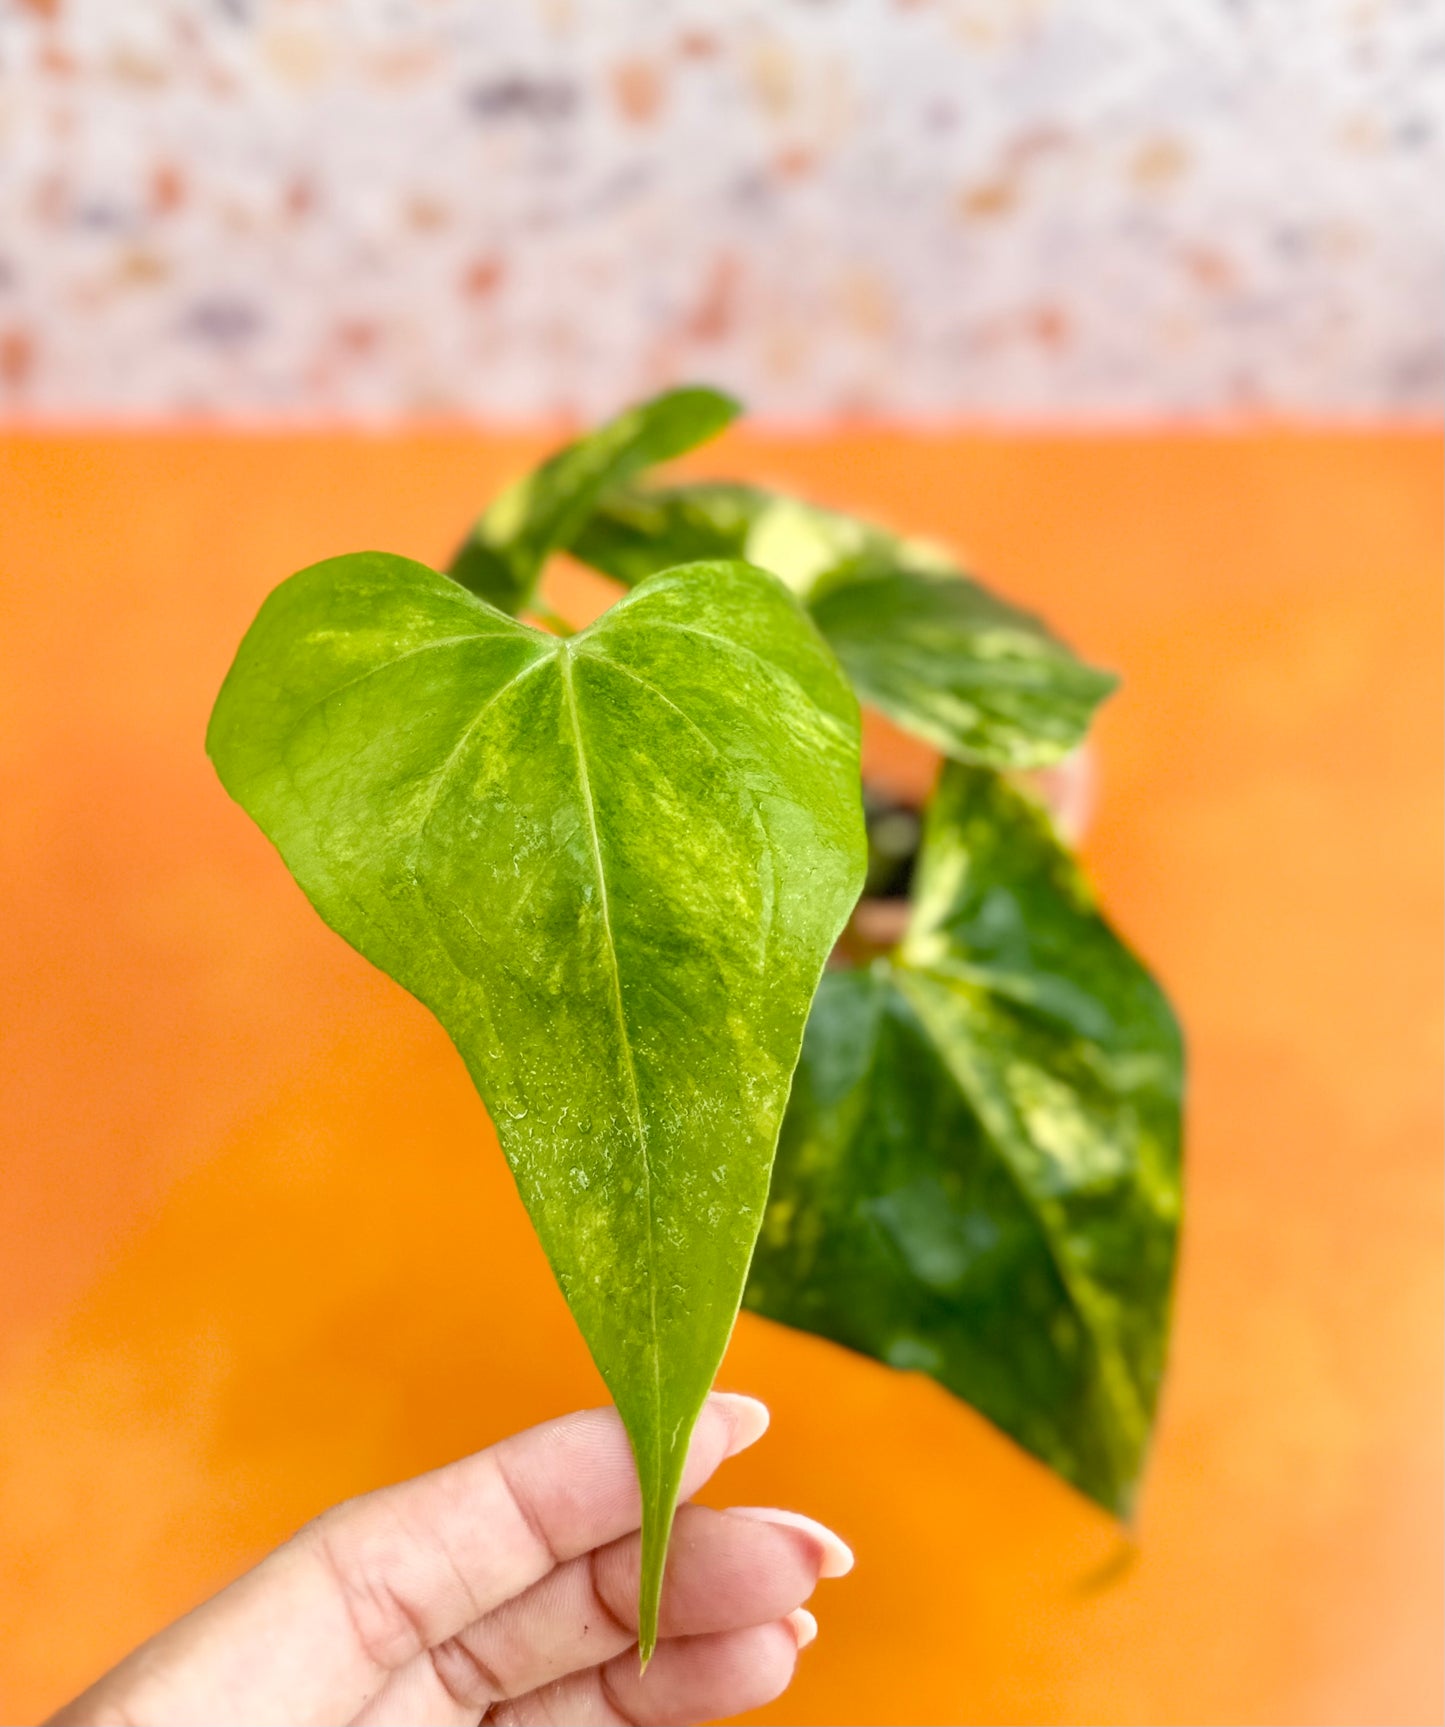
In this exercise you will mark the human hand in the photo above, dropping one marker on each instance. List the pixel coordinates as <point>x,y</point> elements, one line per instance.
<point>501,1589</point>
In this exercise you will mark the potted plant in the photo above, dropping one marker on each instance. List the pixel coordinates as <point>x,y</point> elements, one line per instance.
<point>622,866</point>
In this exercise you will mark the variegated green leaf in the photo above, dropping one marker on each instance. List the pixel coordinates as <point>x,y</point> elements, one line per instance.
<point>613,866</point>
<point>979,1172</point>
<point>501,558</point>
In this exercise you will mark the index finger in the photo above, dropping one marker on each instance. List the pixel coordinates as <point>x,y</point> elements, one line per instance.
<point>315,1629</point>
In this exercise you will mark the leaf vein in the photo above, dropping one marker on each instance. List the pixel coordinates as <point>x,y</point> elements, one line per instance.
<point>443,773</point>
<point>767,838</point>
<point>384,666</point>
<point>777,672</point>
<point>1079,1287</point>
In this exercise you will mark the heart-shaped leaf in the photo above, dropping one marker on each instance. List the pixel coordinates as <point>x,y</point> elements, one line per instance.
<point>944,658</point>
<point>504,553</point>
<point>613,866</point>
<point>983,1140</point>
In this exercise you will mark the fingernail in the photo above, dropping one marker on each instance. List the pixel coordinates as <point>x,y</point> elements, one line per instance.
<point>837,1554</point>
<point>747,1418</point>
<point>805,1626</point>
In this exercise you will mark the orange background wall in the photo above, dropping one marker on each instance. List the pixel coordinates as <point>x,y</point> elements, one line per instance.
<point>260,1250</point>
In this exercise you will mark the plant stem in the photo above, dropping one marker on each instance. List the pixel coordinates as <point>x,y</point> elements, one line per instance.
<point>554,621</point>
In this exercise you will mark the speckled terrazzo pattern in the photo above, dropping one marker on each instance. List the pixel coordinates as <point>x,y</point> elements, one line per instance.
<point>516,207</point>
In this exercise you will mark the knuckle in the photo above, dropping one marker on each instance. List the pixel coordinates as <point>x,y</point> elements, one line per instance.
<point>607,1603</point>
<point>464,1676</point>
<point>618,1714</point>
<point>388,1628</point>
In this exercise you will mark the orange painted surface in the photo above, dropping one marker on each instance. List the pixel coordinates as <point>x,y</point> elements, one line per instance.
<point>260,1250</point>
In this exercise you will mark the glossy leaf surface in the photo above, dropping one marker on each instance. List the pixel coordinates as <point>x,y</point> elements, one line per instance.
<point>979,1172</point>
<point>944,658</point>
<point>503,555</point>
<point>613,866</point>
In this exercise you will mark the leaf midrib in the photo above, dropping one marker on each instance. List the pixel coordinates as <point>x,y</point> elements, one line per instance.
<point>564,664</point>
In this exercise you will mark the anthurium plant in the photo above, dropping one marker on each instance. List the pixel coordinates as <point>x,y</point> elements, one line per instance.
<point>616,864</point>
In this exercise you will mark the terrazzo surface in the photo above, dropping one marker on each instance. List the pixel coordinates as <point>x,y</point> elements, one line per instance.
<point>1034,208</point>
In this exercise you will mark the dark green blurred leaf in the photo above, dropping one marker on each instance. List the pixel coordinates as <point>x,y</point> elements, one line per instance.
<point>503,556</point>
<point>613,867</point>
<point>978,1175</point>
<point>945,659</point>
<point>635,531</point>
